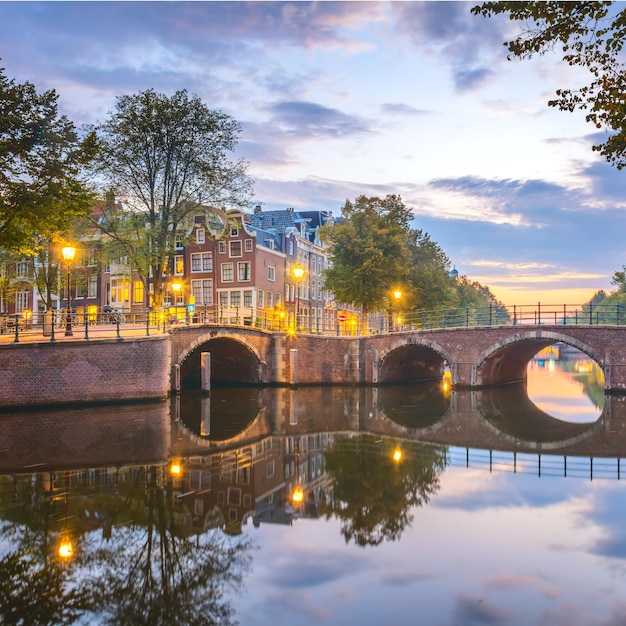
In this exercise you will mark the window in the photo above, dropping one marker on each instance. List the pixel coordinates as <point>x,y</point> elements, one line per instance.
<point>21,269</point>
<point>92,288</point>
<point>21,301</point>
<point>200,235</point>
<point>271,273</point>
<point>234,231</point>
<point>120,288</point>
<point>138,292</point>
<point>202,291</point>
<point>277,299</point>
<point>270,299</point>
<point>243,270</point>
<point>270,469</point>
<point>79,288</point>
<point>235,248</point>
<point>201,262</point>
<point>291,248</point>
<point>223,299</point>
<point>247,298</point>
<point>227,272</point>
<point>248,245</point>
<point>235,298</point>
<point>222,247</point>
<point>261,299</point>
<point>179,265</point>
<point>178,242</point>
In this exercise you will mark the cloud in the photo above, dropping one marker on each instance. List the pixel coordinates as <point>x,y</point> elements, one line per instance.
<point>308,119</point>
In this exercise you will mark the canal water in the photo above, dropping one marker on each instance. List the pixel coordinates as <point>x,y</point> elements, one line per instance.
<point>417,505</point>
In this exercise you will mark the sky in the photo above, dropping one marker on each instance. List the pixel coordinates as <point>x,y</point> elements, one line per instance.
<point>340,99</point>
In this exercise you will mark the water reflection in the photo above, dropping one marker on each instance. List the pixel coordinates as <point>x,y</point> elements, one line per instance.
<point>154,546</point>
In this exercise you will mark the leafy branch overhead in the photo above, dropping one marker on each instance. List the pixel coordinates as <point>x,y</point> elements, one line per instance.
<point>589,35</point>
<point>42,159</point>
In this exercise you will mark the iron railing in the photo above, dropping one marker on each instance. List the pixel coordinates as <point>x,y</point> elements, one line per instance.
<point>89,324</point>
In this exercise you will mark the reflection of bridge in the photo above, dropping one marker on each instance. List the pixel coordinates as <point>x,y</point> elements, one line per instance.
<point>501,419</point>
<point>477,357</point>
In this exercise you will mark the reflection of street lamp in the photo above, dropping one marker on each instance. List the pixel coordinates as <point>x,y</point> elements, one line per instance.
<point>397,455</point>
<point>298,495</point>
<point>298,273</point>
<point>68,255</point>
<point>66,550</point>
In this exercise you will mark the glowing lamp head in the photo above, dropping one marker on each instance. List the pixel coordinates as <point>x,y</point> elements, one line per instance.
<point>397,455</point>
<point>68,253</point>
<point>298,272</point>
<point>176,286</point>
<point>397,294</point>
<point>176,468</point>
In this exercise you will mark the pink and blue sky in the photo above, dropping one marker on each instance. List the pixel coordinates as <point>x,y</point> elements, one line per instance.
<point>338,99</point>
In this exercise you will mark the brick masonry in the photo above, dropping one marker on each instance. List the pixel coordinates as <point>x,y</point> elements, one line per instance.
<point>141,368</point>
<point>44,374</point>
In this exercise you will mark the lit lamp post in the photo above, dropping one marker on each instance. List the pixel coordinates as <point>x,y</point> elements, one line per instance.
<point>68,255</point>
<point>298,273</point>
<point>397,294</point>
<point>176,287</point>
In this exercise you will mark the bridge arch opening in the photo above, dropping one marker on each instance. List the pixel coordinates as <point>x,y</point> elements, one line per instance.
<point>232,364</point>
<point>509,363</point>
<point>411,362</point>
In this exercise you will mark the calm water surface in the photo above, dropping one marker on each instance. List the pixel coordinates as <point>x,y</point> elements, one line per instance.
<point>420,506</point>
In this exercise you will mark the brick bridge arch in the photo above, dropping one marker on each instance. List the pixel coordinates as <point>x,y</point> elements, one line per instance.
<point>478,357</point>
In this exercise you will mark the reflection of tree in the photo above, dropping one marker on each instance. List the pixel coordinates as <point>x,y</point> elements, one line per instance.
<point>34,592</point>
<point>146,570</point>
<point>373,494</point>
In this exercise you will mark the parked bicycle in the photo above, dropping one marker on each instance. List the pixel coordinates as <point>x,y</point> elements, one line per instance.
<point>113,316</point>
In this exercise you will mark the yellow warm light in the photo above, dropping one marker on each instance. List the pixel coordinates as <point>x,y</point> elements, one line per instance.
<point>176,286</point>
<point>397,455</point>
<point>176,468</point>
<point>66,550</point>
<point>27,314</point>
<point>68,253</point>
<point>397,294</point>
<point>298,494</point>
<point>298,272</point>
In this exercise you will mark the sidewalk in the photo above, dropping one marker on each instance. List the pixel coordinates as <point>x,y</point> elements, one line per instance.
<point>95,332</point>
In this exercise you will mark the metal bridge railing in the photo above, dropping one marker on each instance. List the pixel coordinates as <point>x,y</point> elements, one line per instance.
<point>53,324</point>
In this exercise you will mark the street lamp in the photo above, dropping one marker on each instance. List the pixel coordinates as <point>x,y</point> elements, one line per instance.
<point>68,255</point>
<point>397,294</point>
<point>298,273</point>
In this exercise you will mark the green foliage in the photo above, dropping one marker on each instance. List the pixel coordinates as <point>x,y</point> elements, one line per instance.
<point>167,159</point>
<point>369,251</point>
<point>42,191</point>
<point>590,35</point>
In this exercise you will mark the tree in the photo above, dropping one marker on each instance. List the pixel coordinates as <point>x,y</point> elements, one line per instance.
<point>167,159</point>
<point>369,251</point>
<point>42,159</point>
<point>590,35</point>
<point>619,279</point>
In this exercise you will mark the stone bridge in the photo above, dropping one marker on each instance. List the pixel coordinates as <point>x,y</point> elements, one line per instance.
<point>477,357</point>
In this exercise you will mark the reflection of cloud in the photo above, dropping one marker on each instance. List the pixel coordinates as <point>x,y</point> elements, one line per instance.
<point>511,582</point>
<point>402,579</point>
<point>476,610</point>
<point>320,568</point>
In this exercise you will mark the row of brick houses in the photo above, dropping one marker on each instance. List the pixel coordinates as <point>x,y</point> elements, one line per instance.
<point>244,276</point>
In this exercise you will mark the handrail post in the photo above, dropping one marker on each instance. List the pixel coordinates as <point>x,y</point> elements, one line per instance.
<point>590,314</point>
<point>53,311</point>
<point>17,328</point>
<point>466,316</point>
<point>617,313</point>
<point>117,324</point>
<point>86,325</point>
<point>514,315</point>
<point>490,314</point>
<point>539,313</point>
<point>564,315</point>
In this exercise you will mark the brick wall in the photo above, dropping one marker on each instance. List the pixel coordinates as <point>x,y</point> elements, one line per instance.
<point>45,374</point>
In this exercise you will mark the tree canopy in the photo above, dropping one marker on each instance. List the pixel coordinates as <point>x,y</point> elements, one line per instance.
<point>42,159</point>
<point>369,251</point>
<point>590,35</point>
<point>167,159</point>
